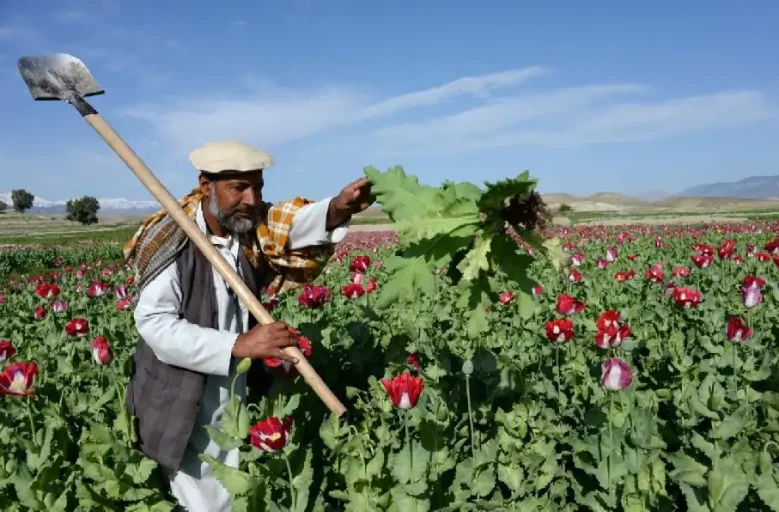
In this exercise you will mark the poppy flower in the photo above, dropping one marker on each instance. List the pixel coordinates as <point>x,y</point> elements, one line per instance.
<point>78,327</point>
<point>404,390</point>
<point>18,379</point>
<point>616,374</point>
<point>271,434</point>
<point>737,331</point>
<point>559,330</point>
<point>7,350</point>
<point>314,296</point>
<point>751,291</point>
<point>360,264</point>
<point>101,350</point>
<point>353,290</point>
<point>567,305</point>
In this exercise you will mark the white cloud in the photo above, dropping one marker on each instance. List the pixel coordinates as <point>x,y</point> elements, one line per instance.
<point>569,116</point>
<point>267,121</point>
<point>679,115</point>
<point>274,115</point>
<point>499,115</point>
<point>472,85</point>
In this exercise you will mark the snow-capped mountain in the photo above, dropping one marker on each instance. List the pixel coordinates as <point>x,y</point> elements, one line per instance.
<point>115,206</point>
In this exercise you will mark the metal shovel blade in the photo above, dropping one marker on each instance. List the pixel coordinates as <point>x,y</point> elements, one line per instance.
<point>58,76</point>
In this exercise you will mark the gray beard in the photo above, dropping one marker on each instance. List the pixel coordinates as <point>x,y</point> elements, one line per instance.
<point>232,224</point>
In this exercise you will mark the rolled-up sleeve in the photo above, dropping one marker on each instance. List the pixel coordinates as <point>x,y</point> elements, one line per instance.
<point>309,227</point>
<point>174,340</point>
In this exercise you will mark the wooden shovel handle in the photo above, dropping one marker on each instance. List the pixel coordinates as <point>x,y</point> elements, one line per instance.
<point>175,210</point>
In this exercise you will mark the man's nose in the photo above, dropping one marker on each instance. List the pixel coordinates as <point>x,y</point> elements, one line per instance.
<point>250,198</point>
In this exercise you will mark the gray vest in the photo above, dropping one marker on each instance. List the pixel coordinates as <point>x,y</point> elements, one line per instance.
<point>165,400</point>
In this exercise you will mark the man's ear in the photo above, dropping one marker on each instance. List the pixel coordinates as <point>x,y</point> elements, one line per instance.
<point>205,185</point>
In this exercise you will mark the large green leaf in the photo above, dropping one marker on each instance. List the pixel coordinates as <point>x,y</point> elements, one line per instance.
<point>768,491</point>
<point>476,260</point>
<point>728,485</point>
<point>687,470</point>
<point>401,196</point>
<point>412,278</point>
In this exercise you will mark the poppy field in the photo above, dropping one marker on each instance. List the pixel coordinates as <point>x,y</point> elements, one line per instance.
<point>633,368</point>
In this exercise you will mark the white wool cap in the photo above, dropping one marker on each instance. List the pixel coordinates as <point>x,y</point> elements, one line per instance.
<point>229,156</point>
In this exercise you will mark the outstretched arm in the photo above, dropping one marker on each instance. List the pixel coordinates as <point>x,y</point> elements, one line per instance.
<point>354,198</point>
<point>310,227</point>
<point>326,221</point>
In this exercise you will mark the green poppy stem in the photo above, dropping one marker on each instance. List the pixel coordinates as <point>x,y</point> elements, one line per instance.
<point>32,422</point>
<point>611,444</point>
<point>291,486</point>
<point>557,381</point>
<point>408,441</point>
<point>121,391</point>
<point>470,414</point>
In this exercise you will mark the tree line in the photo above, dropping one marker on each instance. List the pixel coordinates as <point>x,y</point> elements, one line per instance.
<point>83,210</point>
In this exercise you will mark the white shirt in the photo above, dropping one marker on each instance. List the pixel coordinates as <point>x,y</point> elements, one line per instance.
<point>177,342</point>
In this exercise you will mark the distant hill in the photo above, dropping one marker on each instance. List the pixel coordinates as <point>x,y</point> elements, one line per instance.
<point>623,204</point>
<point>754,187</point>
<point>602,201</point>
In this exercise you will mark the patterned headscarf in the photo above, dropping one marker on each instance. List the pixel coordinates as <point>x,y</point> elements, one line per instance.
<point>159,240</point>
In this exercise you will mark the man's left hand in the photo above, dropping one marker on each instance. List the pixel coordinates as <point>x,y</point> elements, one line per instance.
<point>354,198</point>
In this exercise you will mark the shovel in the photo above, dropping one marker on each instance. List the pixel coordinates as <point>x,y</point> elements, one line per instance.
<point>64,77</point>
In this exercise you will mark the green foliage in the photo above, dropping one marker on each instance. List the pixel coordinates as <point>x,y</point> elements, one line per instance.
<point>456,224</point>
<point>3,206</point>
<point>27,260</point>
<point>565,208</point>
<point>83,210</point>
<point>22,200</point>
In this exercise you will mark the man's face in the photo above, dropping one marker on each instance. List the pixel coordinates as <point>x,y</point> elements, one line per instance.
<point>235,202</point>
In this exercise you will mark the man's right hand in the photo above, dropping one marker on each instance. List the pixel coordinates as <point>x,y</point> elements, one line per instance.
<point>266,341</point>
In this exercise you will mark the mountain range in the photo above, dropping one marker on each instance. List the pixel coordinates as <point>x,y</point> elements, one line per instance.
<point>754,187</point>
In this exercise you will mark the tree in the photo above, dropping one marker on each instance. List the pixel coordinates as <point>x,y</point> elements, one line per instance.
<point>564,208</point>
<point>22,200</point>
<point>3,206</point>
<point>83,210</point>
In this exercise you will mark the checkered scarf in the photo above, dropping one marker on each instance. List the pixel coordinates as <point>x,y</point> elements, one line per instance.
<point>160,239</point>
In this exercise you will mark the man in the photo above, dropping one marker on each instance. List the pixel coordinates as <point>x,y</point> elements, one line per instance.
<point>193,329</point>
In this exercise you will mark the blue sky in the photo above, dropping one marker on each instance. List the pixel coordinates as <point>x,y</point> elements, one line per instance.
<point>588,96</point>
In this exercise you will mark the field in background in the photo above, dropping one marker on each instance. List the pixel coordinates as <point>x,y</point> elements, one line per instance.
<point>45,230</point>
<point>35,229</point>
<point>603,208</point>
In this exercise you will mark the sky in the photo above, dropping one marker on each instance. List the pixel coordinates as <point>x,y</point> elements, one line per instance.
<point>628,97</point>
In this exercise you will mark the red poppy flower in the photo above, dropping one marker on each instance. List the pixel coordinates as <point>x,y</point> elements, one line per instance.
<point>271,434</point>
<point>78,327</point>
<point>18,379</point>
<point>404,390</point>
<point>7,350</point>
